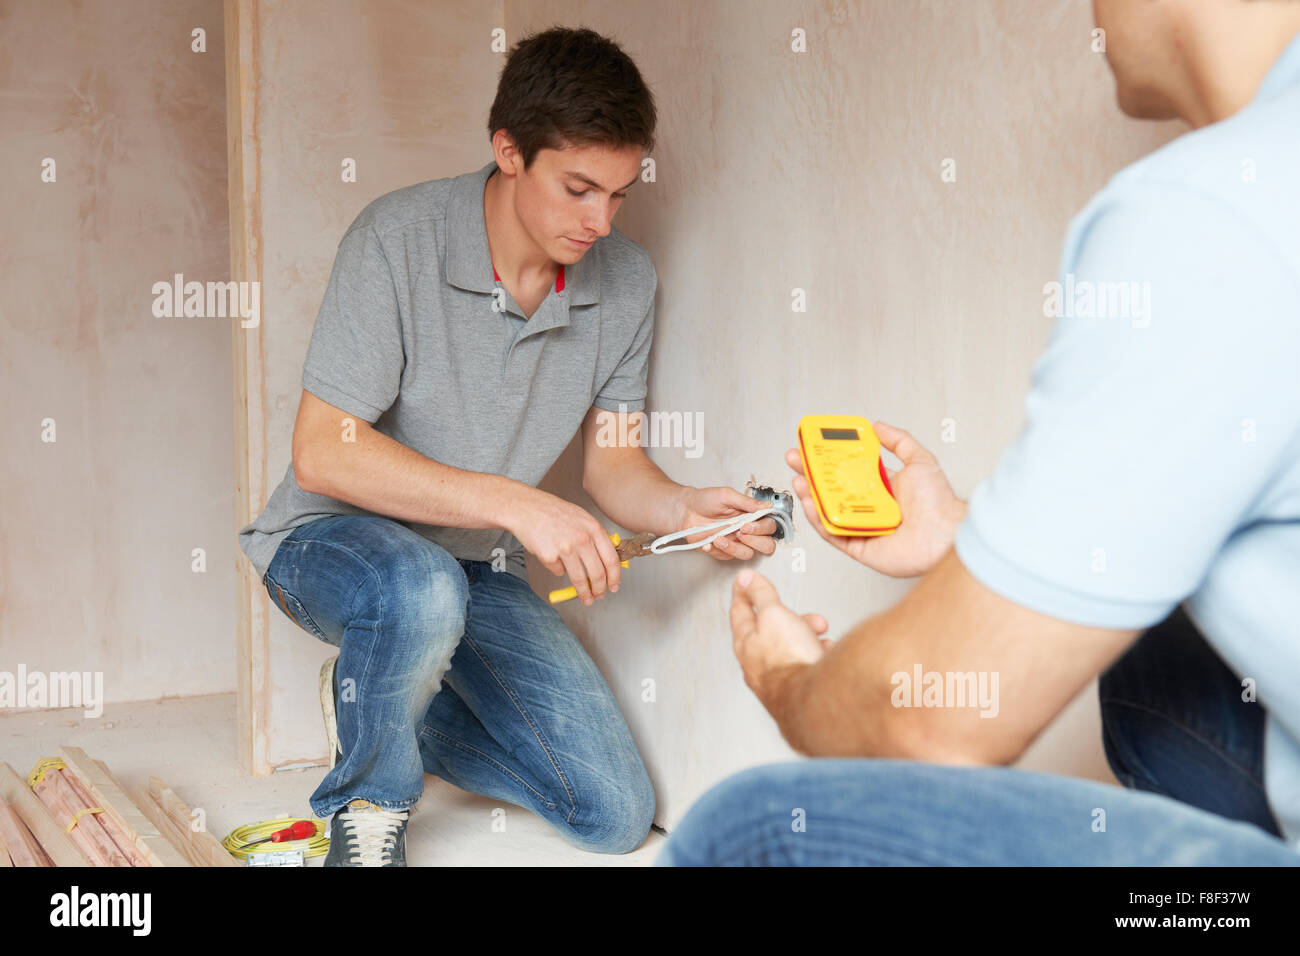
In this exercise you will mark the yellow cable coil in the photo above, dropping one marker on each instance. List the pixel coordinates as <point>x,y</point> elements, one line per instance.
<point>237,839</point>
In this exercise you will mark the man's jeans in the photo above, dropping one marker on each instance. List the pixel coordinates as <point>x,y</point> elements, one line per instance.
<point>450,668</point>
<point>1174,725</point>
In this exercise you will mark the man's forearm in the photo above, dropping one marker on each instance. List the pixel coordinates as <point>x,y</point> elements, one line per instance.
<point>382,475</point>
<point>638,495</point>
<point>842,705</point>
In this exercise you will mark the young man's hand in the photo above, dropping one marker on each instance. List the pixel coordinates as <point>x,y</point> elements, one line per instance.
<point>931,511</point>
<point>567,540</point>
<point>707,505</point>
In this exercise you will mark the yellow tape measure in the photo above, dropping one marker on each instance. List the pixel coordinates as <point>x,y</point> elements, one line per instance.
<point>841,460</point>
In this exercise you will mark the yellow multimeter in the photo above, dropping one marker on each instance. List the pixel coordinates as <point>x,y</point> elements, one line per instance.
<point>841,460</point>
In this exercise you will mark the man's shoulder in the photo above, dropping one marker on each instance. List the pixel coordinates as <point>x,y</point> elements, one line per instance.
<point>1225,155</point>
<point>626,263</point>
<point>1239,169</point>
<point>417,204</point>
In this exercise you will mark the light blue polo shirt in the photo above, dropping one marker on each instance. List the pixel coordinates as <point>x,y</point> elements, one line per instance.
<point>1160,461</point>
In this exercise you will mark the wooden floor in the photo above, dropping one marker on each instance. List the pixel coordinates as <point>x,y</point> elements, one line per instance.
<point>190,743</point>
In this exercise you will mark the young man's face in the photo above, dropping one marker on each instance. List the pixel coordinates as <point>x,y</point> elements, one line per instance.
<point>567,197</point>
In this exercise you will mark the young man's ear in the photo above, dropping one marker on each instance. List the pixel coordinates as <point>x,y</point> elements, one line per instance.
<point>509,160</point>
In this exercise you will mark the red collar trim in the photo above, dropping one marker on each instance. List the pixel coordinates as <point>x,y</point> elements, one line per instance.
<point>559,277</point>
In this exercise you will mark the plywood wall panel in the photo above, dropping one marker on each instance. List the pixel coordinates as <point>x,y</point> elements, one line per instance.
<point>99,526</point>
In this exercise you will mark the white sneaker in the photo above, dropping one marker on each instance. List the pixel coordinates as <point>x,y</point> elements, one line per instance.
<point>362,834</point>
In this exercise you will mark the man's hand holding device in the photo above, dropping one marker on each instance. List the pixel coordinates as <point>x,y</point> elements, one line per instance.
<point>899,523</point>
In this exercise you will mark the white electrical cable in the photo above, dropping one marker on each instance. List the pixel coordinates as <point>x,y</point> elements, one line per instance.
<point>728,525</point>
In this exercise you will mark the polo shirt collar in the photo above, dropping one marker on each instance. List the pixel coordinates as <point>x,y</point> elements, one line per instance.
<point>469,262</point>
<point>1284,73</point>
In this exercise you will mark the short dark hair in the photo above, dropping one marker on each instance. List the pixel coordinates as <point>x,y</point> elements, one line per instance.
<point>571,87</point>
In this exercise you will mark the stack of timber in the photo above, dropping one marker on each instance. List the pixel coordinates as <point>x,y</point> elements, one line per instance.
<point>70,811</point>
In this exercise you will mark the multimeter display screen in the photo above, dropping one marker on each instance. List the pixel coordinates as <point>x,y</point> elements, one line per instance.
<point>840,434</point>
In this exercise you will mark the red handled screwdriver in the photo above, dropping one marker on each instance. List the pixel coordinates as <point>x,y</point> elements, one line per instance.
<point>301,830</point>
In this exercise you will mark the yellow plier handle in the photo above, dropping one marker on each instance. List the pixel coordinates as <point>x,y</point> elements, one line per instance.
<point>567,594</point>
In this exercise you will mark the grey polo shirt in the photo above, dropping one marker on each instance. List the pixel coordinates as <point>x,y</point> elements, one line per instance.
<point>408,339</point>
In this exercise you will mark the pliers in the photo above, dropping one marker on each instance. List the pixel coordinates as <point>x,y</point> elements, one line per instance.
<point>633,547</point>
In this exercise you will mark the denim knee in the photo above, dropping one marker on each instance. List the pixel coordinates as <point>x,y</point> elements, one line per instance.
<point>624,823</point>
<point>417,602</point>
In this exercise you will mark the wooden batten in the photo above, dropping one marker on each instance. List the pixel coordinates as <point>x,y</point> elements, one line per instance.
<point>94,775</point>
<point>56,844</point>
<point>243,154</point>
<point>204,844</point>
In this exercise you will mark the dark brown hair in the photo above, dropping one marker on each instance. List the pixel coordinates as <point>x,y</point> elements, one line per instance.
<point>571,87</point>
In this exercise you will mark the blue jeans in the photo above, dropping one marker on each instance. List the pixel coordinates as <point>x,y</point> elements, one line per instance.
<point>1176,734</point>
<point>448,667</point>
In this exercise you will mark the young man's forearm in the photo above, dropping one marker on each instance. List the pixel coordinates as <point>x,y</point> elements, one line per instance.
<point>636,494</point>
<point>382,475</point>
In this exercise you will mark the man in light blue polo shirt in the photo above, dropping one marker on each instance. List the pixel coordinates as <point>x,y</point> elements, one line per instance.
<point>1145,527</point>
